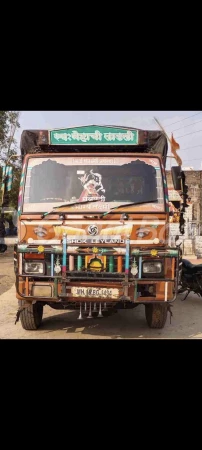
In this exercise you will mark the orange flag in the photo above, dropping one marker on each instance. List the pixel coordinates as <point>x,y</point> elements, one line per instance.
<point>175,146</point>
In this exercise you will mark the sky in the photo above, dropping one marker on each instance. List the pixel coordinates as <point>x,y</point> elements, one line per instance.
<point>187,130</point>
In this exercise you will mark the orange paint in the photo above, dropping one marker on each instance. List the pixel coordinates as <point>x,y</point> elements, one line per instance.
<point>119,264</point>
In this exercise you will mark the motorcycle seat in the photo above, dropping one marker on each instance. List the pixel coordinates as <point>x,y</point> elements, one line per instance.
<point>191,268</point>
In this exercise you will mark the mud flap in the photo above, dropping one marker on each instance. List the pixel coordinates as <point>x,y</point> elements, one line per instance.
<point>18,315</point>
<point>19,312</point>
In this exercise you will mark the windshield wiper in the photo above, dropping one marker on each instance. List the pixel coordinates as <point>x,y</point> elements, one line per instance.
<point>67,204</point>
<point>126,204</point>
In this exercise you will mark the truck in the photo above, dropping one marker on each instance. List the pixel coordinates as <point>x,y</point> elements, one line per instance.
<point>93,224</point>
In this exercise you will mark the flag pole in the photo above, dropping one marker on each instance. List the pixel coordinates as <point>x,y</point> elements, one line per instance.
<point>162,129</point>
<point>177,158</point>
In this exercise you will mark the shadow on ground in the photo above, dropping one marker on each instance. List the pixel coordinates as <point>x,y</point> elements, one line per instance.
<point>123,324</point>
<point>186,323</point>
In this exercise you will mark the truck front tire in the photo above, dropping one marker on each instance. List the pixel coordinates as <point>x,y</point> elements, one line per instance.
<point>156,315</point>
<point>31,316</point>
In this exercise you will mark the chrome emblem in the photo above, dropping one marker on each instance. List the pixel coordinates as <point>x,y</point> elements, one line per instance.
<point>93,230</point>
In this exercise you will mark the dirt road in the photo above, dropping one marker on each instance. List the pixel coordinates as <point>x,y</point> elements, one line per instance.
<point>7,276</point>
<point>131,324</point>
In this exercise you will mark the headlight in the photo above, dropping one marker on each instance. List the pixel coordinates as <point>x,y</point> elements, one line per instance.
<point>34,267</point>
<point>152,267</point>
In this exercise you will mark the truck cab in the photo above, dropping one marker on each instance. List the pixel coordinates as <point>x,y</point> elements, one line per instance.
<point>93,225</point>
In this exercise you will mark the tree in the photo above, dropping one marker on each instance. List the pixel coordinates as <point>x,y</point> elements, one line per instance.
<point>8,125</point>
<point>3,125</point>
<point>9,122</point>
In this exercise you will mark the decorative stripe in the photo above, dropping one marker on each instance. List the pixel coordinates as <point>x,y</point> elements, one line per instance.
<point>41,222</point>
<point>140,267</point>
<point>165,189</point>
<point>166,291</point>
<point>127,256</point>
<point>143,241</point>
<point>105,222</point>
<point>120,260</point>
<point>112,223</point>
<point>64,253</point>
<point>71,262</point>
<point>52,264</point>
<point>43,241</point>
<point>79,262</point>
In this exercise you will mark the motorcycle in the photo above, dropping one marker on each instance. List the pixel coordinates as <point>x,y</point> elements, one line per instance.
<point>3,248</point>
<point>190,277</point>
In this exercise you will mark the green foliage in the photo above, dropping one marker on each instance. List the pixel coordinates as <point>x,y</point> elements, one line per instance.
<point>9,122</point>
<point>3,125</point>
<point>13,197</point>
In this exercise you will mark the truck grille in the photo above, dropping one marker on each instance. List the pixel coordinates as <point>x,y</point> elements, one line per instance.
<point>114,264</point>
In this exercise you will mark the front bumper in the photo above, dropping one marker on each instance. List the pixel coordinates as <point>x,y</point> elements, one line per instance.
<point>136,289</point>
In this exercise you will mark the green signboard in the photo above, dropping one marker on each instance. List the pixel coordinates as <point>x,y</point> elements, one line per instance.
<point>94,135</point>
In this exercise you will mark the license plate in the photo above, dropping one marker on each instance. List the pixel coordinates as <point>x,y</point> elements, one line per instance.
<point>94,292</point>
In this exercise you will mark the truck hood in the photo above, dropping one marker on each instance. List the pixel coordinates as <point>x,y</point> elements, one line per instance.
<point>140,232</point>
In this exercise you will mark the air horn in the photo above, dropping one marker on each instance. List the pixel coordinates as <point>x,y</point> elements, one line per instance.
<point>90,313</point>
<point>80,315</point>
<point>100,310</point>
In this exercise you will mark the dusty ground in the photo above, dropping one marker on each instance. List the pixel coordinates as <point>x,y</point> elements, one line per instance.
<point>131,324</point>
<point>7,277</point>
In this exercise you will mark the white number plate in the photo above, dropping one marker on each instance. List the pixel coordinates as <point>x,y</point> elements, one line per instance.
<point>94,292</point>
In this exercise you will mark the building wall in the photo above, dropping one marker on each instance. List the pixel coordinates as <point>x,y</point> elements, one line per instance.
<point>192,239</point>
<point>194,182</point>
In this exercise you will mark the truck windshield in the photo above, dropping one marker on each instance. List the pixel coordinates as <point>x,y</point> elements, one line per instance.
<point>112,181</point>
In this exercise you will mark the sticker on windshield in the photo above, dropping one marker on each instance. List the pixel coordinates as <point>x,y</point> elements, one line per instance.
<point>92,184</point>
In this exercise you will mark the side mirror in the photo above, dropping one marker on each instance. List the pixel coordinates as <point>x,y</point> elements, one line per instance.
<point>176,177</point>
